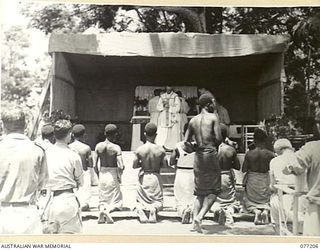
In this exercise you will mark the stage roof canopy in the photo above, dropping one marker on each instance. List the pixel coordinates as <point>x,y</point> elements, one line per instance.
<point>185,45</point>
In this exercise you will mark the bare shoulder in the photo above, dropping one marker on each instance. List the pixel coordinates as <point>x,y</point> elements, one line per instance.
<point>100,146</point>
<point>250,153</point>
<point>116,147</point>
<point>194,120</point>
<point>74,154</point>
<point>161,149</point>
<point>213,116</point>
<point>270,153</point>
<point>140,149</point>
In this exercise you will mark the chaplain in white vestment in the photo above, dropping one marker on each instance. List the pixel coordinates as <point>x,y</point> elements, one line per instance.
<point>168,133</point>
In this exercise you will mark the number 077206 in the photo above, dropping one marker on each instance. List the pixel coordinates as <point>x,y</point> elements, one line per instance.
<point>309,246</point>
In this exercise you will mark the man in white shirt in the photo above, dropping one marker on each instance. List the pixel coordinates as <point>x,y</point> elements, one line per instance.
<point>65,175</point>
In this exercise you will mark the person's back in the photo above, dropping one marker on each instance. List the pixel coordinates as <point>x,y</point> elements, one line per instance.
<point>83,150</point>
<point>278,164</point>
<point>308,160</point>
<point>23,173</point>
<point>203,129</point>
<point>65,175</point>
<point>20,154</point>
<point>151,156</point>
<point>227,157</point>
<point>257,180</point>
<point>64,167</point>
<point>108,153</point>
<point>258,160</point>
<point>110,171</point>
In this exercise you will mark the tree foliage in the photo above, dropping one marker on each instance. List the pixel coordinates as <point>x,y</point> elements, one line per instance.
<point>20,82</point>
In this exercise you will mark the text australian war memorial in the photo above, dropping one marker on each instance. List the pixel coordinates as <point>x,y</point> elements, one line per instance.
<point>160,126</point>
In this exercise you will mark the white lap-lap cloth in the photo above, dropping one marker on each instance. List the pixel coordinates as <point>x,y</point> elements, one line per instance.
<point>257,194</point>
<point>109,188</point>
<point>149,191</point>
<point>183,189</point>
<point>64,211</point>
<point>84,193</point>
<point>20,220</point>
<point>184,180</point>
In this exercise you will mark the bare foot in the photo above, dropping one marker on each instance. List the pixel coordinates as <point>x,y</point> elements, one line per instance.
<point>264,218</point>
<point>257,218</point>
<point>101,219</point>
<point>197,226</point>
<point>152,216</point>
<point>186,215</point>
<point>222,217</point>
<point>108,218</point>
<point>142,216</point>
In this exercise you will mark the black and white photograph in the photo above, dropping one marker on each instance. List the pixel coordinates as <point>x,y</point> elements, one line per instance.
<point>159,120</point>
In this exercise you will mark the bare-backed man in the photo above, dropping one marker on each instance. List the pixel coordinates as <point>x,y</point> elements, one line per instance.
<point>84,151</point>
<point>205,129</point>
<point>149,158</point>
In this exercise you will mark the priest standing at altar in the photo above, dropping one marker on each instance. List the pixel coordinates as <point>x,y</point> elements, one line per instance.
<point>168,134</point>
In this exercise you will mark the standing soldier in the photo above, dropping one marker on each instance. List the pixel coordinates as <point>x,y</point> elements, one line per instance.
<point>111,167</point>
<point>23,172</point>
<point>65,175</point>
<point>84,151</point>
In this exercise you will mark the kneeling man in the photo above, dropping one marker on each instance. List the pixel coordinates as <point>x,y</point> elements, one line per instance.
<point>150,158</point>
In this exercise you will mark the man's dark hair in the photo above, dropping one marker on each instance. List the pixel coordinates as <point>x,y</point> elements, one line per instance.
<point>47,131</point>
<point>13,119</point>
<point>78,130</point>
<point>260,135</point>
<point>157,92</point>
<point>62,128</point>
<point>179,93</point>
<point>110,130</point>
<point>150,129</point>
<point>205,99</point>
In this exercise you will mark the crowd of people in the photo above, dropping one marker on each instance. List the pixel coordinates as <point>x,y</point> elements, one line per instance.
<point>44,184</point>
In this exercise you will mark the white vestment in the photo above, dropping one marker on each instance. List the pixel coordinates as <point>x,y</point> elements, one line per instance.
<point>168,133</point>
